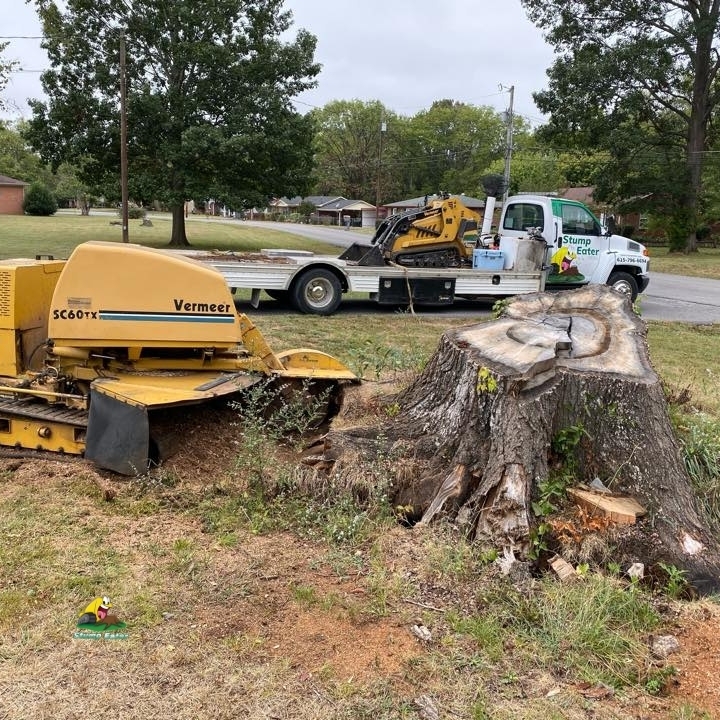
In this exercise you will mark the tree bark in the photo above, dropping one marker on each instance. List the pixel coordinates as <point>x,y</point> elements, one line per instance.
<point>178,237</point>
<point>705,66</point>
<point>474,434</point>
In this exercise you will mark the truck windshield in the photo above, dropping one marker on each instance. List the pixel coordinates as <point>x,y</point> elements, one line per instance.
<point>521,216</point>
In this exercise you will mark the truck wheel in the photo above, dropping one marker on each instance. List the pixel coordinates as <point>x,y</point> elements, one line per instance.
<point>624,283</point>
<point>317,292</point>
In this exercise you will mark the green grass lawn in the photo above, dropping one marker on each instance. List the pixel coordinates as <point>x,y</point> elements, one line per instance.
<point>704,263</point>
<point>25,236</point>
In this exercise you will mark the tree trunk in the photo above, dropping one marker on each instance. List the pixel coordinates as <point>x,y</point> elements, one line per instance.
<point>477,432</point>
<point>178,237</point>
<point>705,71</point>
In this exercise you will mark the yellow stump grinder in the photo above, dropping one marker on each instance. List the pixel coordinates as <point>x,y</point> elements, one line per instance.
<point>90,347</point>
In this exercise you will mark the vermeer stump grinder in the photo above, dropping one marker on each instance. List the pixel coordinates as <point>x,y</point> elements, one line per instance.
<point>91,348</point>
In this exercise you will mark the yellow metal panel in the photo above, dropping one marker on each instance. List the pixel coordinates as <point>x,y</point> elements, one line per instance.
<point>113,294</point>
<point>42,435</point>
<point>26,288</point>
<point>306,363</point>
<point>155,391</point>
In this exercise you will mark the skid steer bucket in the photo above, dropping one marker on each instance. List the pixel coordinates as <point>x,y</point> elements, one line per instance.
<point>365,255</point>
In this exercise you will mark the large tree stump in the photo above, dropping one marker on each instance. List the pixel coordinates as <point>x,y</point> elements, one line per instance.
<point>473,435</point>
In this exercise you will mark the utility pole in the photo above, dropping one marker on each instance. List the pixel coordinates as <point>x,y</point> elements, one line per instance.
<point>123,142</point>
<point>383,128</point>
<point>508,144</point>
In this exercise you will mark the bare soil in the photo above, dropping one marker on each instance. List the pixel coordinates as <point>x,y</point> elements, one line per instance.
<point>274,626</point>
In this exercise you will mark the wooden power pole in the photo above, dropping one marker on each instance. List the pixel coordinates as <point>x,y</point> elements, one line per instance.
<point>123,143</point>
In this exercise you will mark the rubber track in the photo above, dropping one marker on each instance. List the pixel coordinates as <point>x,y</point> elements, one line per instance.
<point>43,411</point>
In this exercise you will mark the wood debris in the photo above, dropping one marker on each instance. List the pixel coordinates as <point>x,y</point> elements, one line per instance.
<point>621,509</point>
<point>563,569</point>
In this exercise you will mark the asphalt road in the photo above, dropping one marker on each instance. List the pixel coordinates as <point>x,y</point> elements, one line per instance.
<point>675,298</point>
<point>681,298</point>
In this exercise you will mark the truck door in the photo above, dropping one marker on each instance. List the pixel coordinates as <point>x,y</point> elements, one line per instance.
<point>581,246</point>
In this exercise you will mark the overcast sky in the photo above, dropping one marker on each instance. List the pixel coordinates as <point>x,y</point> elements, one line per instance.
<point>405,53</point>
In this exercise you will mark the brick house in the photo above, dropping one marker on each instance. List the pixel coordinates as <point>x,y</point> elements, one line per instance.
<point>12,194</point>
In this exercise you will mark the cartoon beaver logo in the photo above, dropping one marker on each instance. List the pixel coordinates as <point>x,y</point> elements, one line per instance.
<point>97,618</point>
<point>562,260</point>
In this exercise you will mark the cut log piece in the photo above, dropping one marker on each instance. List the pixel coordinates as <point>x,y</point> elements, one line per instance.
<point>474,434</point>
<point>622,510</point>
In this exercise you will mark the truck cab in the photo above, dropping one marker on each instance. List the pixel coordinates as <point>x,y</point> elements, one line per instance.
<point>580,250</point>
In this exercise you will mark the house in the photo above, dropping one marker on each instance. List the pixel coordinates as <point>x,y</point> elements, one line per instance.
<point>12,195</point>
<point>329,209</point>
<point>284,205</point>
<point>419,202</point>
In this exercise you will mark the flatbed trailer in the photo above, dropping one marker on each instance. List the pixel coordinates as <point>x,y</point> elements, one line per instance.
<point>315,284</point>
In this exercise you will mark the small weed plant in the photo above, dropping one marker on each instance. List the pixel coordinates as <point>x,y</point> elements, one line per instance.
<point>701,450</point>
<point>676,584</point>
<point>273,415</point>
<point>372,361</point>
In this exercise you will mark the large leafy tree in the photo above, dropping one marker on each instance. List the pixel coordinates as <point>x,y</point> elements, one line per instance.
<point>637,78</point>
<point>17,160</point>
<point>356,149</point>
<point>209,108</point>
<point>366,151</point>
<point>455,143</point>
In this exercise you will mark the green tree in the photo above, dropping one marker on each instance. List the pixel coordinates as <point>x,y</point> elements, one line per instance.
<point>305,209</point>
<point>16,157</point>
<point>537,167</point>
<point>70,188</point>
<point>39,200</point>
<point>639,79</point>
<point>209,108</point>
<point>355,149</point>
<point>453,144</point>
<point>6,67</point>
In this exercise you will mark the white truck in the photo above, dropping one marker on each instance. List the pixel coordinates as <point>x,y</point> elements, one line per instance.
<point>579,248</point>
<point>441,252</point>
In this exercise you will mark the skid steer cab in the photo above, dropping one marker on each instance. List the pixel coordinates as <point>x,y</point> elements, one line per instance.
<point>580,250</point>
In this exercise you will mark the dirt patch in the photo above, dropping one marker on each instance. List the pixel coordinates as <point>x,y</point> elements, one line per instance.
<point>698,661</point>
<point>320,643</point>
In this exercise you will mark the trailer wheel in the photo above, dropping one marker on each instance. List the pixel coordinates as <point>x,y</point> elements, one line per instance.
<point>317,292</point>
<point>624,283</point>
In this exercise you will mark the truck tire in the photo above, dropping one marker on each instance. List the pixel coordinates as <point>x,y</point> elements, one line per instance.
<point>624,283</point>
<point>317,292</point>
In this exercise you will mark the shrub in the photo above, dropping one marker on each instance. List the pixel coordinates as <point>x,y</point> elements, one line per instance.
<point>39,200</point>
<point>136,213</point>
